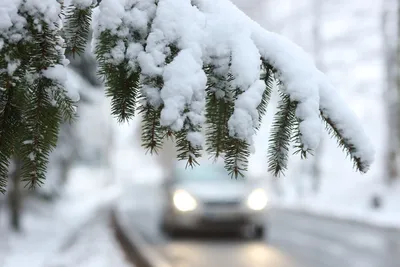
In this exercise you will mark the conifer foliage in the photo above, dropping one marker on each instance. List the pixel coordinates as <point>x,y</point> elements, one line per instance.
<point>195,74</point>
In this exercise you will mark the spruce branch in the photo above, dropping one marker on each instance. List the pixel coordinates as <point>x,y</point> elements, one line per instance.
<point>236,157</point>
<point>10,127</point>
<point>64,103</point>
<point>267,75</point>
<point>220,102</point>
<point>13,56</point>
<point>42,121</point>
<point>280,136</point>
<point>122,83</point>
<point>185,148</point>
<point>152,132</point>
<point>296,138</point>
<point>46,103</point>
<point>77,28</point>
<point>219,107</point>
<point>186,151</point>
<point>347,146</point>
<point>122,87</point>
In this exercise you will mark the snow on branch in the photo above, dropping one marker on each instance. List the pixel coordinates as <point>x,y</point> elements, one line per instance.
<point>208,57</point>
<point>200,71</point>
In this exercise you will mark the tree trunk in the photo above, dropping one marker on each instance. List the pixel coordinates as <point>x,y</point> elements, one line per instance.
<point>15,196</point>
<point>65,166</point>
<point>392,65</point>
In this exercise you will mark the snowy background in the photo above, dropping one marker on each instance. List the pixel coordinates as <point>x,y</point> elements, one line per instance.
<point>350,51</point>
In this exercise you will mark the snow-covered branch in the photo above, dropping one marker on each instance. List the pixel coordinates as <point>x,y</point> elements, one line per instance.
<point>190,65</point>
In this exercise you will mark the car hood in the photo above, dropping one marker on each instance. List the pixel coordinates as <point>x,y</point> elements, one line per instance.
<point>217,191</point>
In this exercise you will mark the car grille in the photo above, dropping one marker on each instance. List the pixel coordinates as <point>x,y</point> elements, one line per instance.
<point>223,222</point>
<point>222,204</point>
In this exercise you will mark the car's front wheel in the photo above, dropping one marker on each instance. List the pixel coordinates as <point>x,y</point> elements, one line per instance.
<point>169,231</point>
<point>259,233</point>
<point>255,232</point>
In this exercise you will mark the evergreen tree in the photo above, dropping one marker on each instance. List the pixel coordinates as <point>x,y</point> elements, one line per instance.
<point>185,65</point>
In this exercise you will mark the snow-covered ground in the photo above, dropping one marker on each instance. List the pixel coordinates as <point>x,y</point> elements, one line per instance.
<point>71,232</point>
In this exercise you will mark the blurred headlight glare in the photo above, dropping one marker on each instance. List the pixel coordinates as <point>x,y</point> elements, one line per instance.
<point>257,200</point>
<point>183,201</point>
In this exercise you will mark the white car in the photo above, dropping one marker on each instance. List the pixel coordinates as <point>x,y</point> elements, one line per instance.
<point>207,198</point>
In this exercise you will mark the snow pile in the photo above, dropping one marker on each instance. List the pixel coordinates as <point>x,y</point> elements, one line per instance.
<point>348,202</point>
<point>205,32</point>
<point>73,231</point>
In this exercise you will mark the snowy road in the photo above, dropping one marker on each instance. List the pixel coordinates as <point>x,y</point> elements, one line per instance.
<point>295,240</point>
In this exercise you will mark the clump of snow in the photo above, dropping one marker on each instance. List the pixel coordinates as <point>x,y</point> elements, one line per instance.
<point>11,23</point>
<point>12,66</point>
<point>57,73</point>
<point>43,10</point>
<point>117,53</point>
<point>196,139</point>
<point>184,84</point>
<point>245,117</point>
<point>82,3</point>
<point>245,64</point>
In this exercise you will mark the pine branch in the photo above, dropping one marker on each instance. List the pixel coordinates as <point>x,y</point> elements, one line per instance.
<point>344,143</point>
<point>236,157</point>
<point>152,131</point>
<point>221,95</point>
<point>10,127</point>
<point>296,138</point>
<point>122,83</point>
<point>64,104</point>
<point>77,27</point>
<point>122,87</point>
<point>46,102</point>
<point>280,136</point>
<point>13,56</point>
<point>267,75</point>
<point>42,121</point>
<point>185,149</point>
<point>219,107</point>
<point>153,134</point>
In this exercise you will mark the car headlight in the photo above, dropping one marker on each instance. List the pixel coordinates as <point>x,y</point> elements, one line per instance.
<point>183,201</point>
<point>257,200</point>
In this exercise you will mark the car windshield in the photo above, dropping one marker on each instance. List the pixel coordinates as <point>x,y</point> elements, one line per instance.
<point>204,172</point>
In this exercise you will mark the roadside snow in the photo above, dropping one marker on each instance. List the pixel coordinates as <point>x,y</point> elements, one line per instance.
<point>347,201</point>
<point>71,232</point>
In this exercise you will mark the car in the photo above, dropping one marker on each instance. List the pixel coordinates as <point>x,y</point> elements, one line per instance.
<point>206,198</point>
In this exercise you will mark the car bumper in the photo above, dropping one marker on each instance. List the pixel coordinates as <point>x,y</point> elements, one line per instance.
<point>215,221</point>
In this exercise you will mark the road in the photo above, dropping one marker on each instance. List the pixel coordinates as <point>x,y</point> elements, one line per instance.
<point>294,240</point>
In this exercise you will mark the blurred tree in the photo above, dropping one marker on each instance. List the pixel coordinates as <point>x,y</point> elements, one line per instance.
<point>15,194</point>
<point>317,10</point>
<point>391,48</point>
